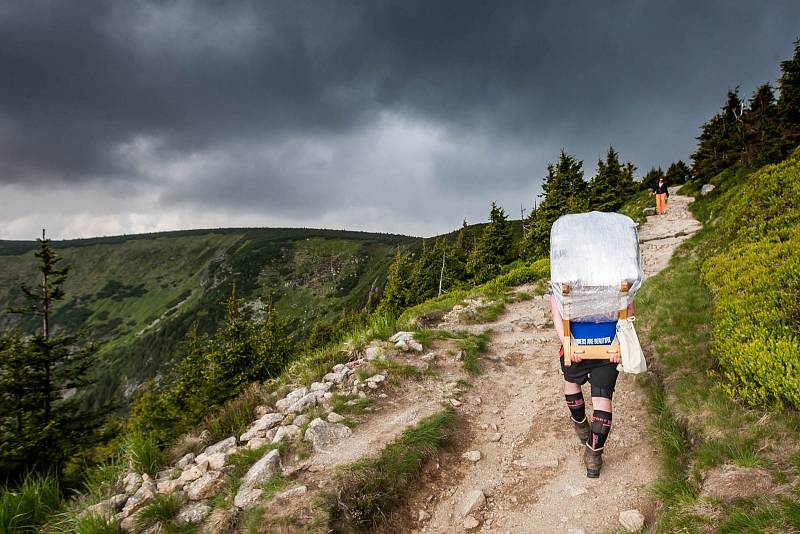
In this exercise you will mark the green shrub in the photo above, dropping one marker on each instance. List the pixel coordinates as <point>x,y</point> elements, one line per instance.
<point>30,505</point>
<point>160,510</point>
<point>755,288</point>
<point>94,524</point>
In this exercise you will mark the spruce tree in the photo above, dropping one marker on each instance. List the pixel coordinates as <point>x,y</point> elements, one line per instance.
<point>650,180</point>
<point>762,138</point>
<point>721,142</point>
<point>493,249</point>
<point>398,284</point>
<point>42,419</point>
<point>612,184</point>
<point>676,173</point>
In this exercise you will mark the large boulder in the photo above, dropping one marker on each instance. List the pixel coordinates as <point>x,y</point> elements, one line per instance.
<point>322,434</point>
<point>287,432</point>
<point>305,402</point>
<point>132,482</point>
<point>215,461</point>
<point>247,497</point>
<point>405,341</point>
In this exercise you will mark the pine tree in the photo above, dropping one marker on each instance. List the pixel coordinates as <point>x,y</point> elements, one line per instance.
<point>788,106</point>
<point>41,376</point>
<point>493,249</point>
<point>563,191</point>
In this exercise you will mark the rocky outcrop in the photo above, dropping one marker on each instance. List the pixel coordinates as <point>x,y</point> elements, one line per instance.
<point>321,434</point>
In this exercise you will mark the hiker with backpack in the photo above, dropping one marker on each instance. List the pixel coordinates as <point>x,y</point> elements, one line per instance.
<point>662,194</point>
<point>595,272</point>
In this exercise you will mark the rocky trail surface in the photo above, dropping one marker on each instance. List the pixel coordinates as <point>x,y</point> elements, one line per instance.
<point>530,476</point>
<point>514,465</point>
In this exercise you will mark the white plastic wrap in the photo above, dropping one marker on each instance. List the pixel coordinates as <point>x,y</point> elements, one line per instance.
<point>594,253</point>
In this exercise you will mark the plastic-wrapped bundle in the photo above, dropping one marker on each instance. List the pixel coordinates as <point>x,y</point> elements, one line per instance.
<point>594,254</point>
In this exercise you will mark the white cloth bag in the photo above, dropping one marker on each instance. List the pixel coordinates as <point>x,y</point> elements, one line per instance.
<point>632,356</point>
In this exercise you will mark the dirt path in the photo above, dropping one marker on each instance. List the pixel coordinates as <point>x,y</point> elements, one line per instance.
<point>533,477</point>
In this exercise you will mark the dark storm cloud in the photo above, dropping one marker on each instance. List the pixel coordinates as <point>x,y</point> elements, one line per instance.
<point>276,105</point>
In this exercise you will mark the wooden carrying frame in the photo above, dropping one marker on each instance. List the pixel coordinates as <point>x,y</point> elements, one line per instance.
<point>590,352</point>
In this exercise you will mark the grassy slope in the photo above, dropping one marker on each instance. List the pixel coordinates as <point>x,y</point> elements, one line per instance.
<point>698,425</point>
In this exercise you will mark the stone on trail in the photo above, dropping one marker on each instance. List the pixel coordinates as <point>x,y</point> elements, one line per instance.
<point>649,211</point>
<point>473,502</point>
<point>472,456</point>
<point>423,516</point>
<point>376,378</point>
<point>215,461</point>
<point>294,396</point>
<point>247,497</point>
<point>302,404</point>
<point>405,341</point>
<point>631,520</point>
<point>288,494</point>
<point>372,353</point>
<point>193,473</point>
<point>497,436</point>
<point>322,434</point>
<point>185,461</point>
<point>334,417</point>
<point>287,432</point>
<point>470,523</point>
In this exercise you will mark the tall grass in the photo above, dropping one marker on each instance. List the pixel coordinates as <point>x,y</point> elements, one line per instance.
<point>143,454</point>
<point>23,509</point>
<point>369,490</point>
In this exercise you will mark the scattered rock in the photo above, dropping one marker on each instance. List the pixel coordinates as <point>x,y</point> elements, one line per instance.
<point>214,461</point>
<point>470,523</point>
<point>185,461</point>
<point>431,356</point>
<point>649,212</point>
<point>168,487</point>
<point>373,353</point>
<point>319,386</point>
<point>300,420</point>
<point>334,417</point>
<point>166,474</point>
<point>405,341</point>
<point>193,473</point>
<point>706,189</point>
<point>376,378</point>
<point>322,434</point>
<point>143,495</point>
<point>221,446</point>
<point>247,497</point>
<point>631,520</point>
<point>455,402</point>
<point>423,516</point>
<point>494,438</point>
<point>255,443</point>
<point>288,494</point>
<point>574,491</point>
<point>303,403</point>
<point>284,404</point>
<point>263,424</point>
<point>193,513</point>
<point>472,456</point>
<point>263,470</point>
<point>731,482</point>
<point>473,502</point>
<point>132,482</point>
<point>287,432</point>
<point>206,486</point>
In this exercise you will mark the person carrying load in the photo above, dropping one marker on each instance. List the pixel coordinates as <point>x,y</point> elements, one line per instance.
<point>595,272</point>
<point>662,194</point>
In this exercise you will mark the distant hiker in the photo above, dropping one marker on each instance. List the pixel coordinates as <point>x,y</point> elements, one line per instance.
<point>662,194</point>
<point>601,374</point>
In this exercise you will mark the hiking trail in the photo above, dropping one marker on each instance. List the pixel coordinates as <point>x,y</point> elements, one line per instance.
<point>533,478</point>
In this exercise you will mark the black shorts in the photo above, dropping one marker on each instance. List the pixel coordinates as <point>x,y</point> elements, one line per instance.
<point>601,374</point>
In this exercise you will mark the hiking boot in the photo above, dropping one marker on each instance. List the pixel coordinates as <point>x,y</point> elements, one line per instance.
<point>582,429</point>
<point>593,459</point>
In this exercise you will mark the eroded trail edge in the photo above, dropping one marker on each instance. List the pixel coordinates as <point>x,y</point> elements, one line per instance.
<point>530,475</point>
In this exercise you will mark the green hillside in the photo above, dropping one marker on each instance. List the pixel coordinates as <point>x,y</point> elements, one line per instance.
<point>140,294</point>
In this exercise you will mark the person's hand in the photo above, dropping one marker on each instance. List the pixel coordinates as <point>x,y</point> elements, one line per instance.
<point>575,358</point>
<point>616,358</point>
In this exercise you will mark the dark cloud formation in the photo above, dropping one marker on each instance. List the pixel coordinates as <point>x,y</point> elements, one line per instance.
<point>362,114</point>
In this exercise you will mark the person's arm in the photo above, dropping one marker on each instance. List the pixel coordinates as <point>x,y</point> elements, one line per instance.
<point>630,310</point>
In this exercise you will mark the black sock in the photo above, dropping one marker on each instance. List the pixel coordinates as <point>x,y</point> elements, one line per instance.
<point>601,426</point>
<point>576,406</point>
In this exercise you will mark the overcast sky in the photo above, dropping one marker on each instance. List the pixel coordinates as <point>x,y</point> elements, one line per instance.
<point>404,117</point>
